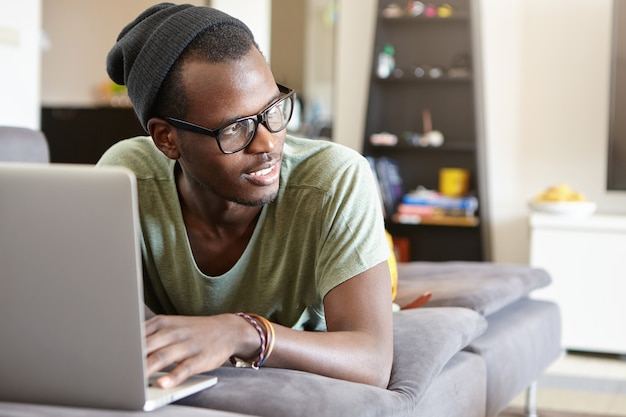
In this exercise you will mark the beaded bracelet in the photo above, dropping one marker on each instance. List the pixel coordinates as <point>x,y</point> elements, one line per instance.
<point>240,363</point>
<point>269,336</point>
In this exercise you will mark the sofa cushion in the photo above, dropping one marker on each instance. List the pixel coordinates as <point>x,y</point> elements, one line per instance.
<point>481,286</point>
<point>8,409</point>
<point>530,332</point>
<point>459,390</point>
<point>424,341</point>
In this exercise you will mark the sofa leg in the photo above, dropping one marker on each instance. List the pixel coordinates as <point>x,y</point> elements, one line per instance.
<point>531,400</point>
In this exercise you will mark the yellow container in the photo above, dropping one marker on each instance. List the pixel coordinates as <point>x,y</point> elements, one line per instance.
<point>453,182</point>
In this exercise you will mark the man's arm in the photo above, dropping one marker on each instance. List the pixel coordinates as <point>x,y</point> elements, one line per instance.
<point>358,345</point>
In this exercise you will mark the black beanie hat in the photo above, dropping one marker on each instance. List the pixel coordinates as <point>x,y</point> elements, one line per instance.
<point>147,48</point>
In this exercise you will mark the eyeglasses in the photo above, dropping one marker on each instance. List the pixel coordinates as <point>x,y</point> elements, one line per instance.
<point>237,135</point>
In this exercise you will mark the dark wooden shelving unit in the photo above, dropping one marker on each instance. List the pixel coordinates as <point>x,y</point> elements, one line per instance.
<point>82,134</point>
<point>396,104</point>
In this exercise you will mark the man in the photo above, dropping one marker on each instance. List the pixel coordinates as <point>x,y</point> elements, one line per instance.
<point>238,217</point>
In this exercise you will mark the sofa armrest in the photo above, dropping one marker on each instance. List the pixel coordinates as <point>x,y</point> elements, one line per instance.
<point>481,286</point>
<point>424,341</point>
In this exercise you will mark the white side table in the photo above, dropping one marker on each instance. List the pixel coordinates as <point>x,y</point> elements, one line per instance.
<point>586,257</point>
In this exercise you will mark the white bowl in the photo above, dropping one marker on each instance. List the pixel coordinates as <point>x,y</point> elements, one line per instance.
<point>567,208</point>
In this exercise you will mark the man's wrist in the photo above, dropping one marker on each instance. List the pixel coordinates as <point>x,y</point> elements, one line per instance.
<point>265,333</point>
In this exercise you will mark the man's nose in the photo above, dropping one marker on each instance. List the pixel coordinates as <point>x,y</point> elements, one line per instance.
<point>264,141</point>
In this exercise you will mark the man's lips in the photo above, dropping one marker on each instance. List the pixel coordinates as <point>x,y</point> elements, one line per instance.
<point>262,172</point>
<point>266,175</point>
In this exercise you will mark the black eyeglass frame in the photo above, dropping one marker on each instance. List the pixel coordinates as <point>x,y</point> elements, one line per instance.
<point>261,117</point>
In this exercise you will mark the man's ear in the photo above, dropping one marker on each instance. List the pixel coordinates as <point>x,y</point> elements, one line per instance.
<point>164,137</point>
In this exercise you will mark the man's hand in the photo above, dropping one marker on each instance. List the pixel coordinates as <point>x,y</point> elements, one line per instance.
<point>195,344</point>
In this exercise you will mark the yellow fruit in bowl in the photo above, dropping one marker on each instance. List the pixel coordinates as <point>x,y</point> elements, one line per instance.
<point>560,193</point>
<point>563,200</point>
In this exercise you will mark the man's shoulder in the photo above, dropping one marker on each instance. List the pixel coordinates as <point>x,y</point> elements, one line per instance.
<point>304,147</point>
<point>139,154</point>
<point>305,157</point>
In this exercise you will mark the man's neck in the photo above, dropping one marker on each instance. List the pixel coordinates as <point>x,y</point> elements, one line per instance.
<point>218,230</point>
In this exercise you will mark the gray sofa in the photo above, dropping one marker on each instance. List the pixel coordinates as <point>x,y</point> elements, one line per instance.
<point>477,344</point>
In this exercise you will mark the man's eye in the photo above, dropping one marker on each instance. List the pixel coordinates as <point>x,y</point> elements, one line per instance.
<point>233,130</point>
<point>275,115</point>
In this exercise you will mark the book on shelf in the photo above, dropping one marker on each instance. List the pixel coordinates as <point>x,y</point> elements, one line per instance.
<point>437,220</point>
<point>387,174</point>
<point>467,205</point>
<point>415,209</point>
<point>423,206</point>
<point>420,206</point>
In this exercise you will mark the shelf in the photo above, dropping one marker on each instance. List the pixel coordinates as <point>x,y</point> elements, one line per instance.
<point>436,220</point>
<point>457,17</point>
<point>396,106</point>
<point>402,147</point>
<point>425,80</point>
<point>65,129</point>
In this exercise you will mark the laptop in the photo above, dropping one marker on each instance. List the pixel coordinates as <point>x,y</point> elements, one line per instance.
<point>71,295</point>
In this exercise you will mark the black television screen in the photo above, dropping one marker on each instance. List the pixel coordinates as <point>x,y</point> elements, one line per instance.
<point>616,167</point>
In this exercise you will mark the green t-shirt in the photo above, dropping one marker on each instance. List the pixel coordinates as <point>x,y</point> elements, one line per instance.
<point>324,227</point>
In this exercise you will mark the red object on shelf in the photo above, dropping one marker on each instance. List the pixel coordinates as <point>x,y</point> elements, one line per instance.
<point>402,248</point>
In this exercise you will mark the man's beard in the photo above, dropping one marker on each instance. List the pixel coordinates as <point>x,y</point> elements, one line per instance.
<point>256,203</point>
